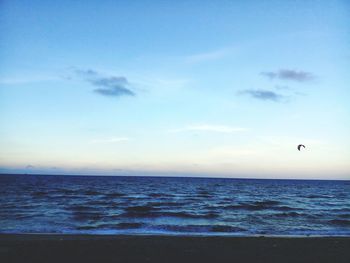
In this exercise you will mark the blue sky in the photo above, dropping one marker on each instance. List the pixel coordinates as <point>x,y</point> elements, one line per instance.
<point>209,88</point>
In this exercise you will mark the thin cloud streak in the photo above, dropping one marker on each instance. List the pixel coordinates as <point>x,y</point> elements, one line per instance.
<point>261,94</point>
<point>112,86</point>
<point>209,128</point>
<point>288,74</point>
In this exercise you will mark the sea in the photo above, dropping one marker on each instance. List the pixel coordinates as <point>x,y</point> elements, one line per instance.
<point>117,205</point>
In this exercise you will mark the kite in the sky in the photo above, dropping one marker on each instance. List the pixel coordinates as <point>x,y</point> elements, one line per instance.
<point>300,145</point>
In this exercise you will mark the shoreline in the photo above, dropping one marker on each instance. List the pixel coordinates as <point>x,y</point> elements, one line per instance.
<point>163,248</point>
<point>168,234</point>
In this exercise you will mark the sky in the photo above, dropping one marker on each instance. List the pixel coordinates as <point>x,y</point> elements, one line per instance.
<point>181,88</point>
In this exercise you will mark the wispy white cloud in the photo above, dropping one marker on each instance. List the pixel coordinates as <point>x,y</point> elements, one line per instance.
<point>110,140</point>
<point>209,128</point>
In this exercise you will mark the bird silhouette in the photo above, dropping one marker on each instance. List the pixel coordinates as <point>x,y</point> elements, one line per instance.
<point>300,145</point>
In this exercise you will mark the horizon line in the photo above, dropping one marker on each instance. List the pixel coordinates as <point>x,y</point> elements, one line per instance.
<point>175,176</point>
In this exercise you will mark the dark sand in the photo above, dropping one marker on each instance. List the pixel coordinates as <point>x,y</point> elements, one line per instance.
<point>94,248</point>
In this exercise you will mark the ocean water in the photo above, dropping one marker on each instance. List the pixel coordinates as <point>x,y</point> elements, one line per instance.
<point>173,206</point>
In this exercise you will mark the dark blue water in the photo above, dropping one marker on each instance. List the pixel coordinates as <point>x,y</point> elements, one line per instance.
<point>161,205</point>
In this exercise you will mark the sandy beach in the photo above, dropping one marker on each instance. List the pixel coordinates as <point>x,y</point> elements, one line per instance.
<point>104,248</point>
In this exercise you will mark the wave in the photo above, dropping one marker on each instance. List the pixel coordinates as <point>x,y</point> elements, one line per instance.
<point>225,228</point>
<point>66,191</point>
<point>199,228</point>
<point>85,227</point>
<point>10,207</point>
<point>344,215</point>
<point>16,216</point>
<point>167,228</point>
<point>155,214</point>
<point>288,214</point>
<point>187,228</point>
<point>39,194</point>
<point>284,208</point>
<point>111,226</point>
<point>81,208</point>
<point>203,193</point>
<point>315,196</point>
<point>140,209</point>
<point>113,195</point>
<point>266,203</point>
<point>340,222</point>
<point>91,192</point>
<point>166,204</point>
<point>84,216</point>
<point>129,225</point>
<point>263,205</point>
<point>158,195</point>
<point>84,212</point>
<point>341,210</point>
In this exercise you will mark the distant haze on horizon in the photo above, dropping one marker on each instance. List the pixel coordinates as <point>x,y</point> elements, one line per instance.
<point>192,88</point>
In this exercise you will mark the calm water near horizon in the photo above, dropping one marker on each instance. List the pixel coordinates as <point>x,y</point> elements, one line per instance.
<point>169,205</point>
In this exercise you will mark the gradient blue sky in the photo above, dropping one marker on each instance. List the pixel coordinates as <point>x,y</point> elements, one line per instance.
<point>210,88</point>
